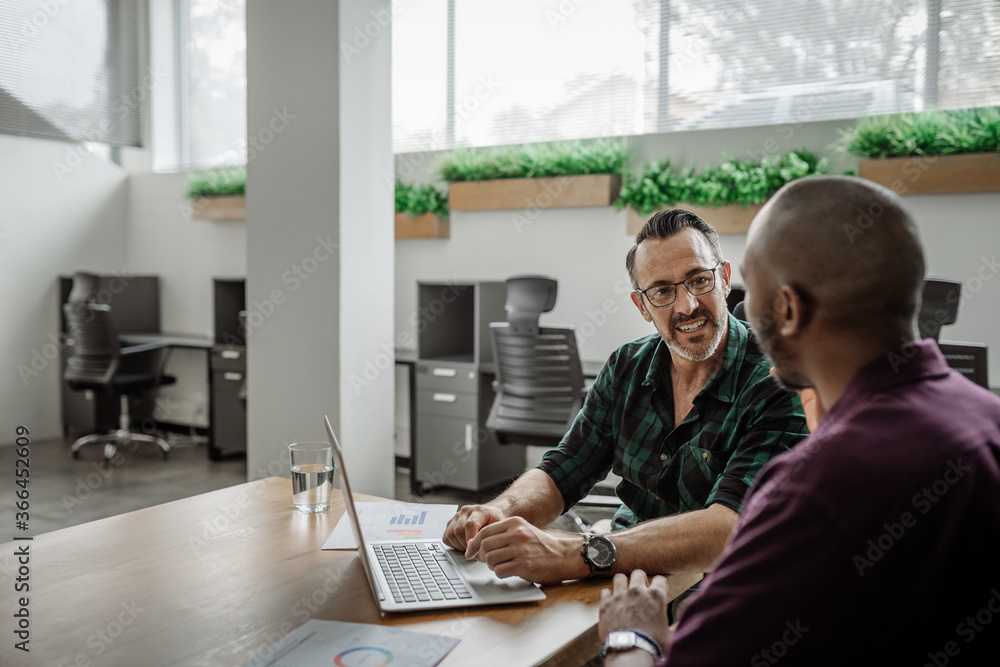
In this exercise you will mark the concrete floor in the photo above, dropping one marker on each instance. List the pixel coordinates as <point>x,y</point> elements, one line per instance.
<point>66,492</point>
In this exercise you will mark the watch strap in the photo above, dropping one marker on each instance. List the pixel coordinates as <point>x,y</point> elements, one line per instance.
<point>640,641</point>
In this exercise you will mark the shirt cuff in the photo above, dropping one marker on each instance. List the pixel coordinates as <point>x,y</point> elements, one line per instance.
<point>729,492</point>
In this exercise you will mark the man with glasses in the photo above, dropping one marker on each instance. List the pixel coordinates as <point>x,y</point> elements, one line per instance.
<point>686,416</point>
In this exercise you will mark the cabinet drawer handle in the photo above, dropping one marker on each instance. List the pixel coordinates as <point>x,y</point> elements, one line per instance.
<point>468,437</point>
<point>235,377</point>
<point>445,372</point>
<point>445,398</point>
<point>230,354</point>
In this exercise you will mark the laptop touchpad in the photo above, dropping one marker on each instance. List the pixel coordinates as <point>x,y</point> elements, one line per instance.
<point>480,576</point>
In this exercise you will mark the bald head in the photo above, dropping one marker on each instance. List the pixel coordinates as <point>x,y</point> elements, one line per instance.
<point>845,244</point>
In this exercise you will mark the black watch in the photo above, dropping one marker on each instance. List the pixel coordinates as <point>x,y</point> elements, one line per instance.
<point>598,553</point>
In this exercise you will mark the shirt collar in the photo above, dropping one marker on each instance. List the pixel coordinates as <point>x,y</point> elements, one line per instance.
<point>909,363</point>
<point>723,383</point>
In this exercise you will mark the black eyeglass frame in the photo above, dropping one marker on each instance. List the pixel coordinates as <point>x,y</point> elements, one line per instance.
<point>642,292</point>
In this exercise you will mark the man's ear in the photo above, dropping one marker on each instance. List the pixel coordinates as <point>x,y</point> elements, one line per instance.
<point>726,273</point>
<point>637,300</point>
<point>790,310</point>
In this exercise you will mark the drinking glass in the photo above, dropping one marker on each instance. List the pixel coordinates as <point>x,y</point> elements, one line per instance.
<point>312,475</point>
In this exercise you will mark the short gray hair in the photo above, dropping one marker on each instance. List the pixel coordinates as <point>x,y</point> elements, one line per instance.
<point>663,225</point>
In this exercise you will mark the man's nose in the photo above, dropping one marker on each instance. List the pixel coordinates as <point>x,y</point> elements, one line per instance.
<point>686,303</point>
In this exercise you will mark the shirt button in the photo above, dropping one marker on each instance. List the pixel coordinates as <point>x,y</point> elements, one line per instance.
<point>663,457</point>
<point>657,497</point>
<point>704,455</point>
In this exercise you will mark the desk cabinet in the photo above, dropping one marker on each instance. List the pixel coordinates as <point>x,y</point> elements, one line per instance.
<point>228,422</point>
<point>452,446</point>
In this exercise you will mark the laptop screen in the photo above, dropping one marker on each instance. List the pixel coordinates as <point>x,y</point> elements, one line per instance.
<point>352,512</point>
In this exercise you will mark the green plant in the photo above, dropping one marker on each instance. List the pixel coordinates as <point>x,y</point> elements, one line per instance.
<point>218,182</point>
<point>925,133</point>
<point>564,158</point>
<point>420,199</point>
<point>734,181</point>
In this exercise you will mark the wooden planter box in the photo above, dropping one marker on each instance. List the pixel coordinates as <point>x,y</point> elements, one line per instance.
<point>426,226</point>
<point>935,174</point>
<point>220,208</point>
<point>725,219</point>
<point>528,193</point>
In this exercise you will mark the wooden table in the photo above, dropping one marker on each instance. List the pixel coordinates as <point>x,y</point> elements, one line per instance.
<point>218,578</point>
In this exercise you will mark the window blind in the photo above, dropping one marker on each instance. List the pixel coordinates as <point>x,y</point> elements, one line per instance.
<point>70,70</point>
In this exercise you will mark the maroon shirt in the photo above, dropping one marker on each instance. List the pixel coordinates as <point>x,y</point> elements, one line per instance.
<point>874,541</point>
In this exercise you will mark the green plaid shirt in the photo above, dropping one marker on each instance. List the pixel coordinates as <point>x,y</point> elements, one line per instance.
<point>740,420</point>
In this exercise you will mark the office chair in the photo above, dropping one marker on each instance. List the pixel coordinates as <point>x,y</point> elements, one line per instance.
<point>84,288</point>
<point>539,378</point>
<point>98,363</point>
<point>969,359</point>
<point>938,306</point>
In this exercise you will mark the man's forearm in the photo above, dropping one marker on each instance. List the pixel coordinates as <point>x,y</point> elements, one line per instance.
<point>533,496</point>
<point>689,542</point>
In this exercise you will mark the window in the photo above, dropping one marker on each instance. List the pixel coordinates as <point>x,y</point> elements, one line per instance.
<point>199,117</point>
<point>70,70</point>
<point>473,73</point>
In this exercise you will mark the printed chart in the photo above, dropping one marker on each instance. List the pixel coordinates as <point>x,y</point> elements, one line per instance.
<point>392,522</point>
<point>324,643</point>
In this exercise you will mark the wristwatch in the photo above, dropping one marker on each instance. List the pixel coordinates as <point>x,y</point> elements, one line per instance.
<point>599,553</point>
<point>626,640</point>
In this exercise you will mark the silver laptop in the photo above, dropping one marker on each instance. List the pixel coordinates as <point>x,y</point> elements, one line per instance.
<point>425,574</point>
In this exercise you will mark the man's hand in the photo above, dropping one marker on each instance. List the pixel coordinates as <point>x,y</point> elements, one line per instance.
<point>514,547</point>
<point>634,605</point>
<point>467,523</point>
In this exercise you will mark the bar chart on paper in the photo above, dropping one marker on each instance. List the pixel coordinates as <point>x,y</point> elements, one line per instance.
<point>407,527</point>
<point>393,522</point>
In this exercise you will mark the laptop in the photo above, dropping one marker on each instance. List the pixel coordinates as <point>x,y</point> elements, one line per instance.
<point>411,575</point>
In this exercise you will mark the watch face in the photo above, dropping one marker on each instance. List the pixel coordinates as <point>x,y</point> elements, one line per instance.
<point>620,640</point>
<point>600,551</point>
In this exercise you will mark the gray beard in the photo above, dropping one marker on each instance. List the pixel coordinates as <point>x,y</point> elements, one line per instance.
<point>713,346</point>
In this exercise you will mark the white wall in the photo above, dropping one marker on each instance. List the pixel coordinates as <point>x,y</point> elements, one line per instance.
<point>585,248</point>
<point>61,210</point>
<point>165,240</point>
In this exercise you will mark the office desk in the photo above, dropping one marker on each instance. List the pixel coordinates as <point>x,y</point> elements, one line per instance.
<point>217,578</point>
<point>190,341</point>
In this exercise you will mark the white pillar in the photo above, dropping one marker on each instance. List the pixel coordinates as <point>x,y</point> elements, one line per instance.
<point>319,234</point>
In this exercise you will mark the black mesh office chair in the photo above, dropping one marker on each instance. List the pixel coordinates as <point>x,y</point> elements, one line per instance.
<point>539,379</point>
<point>938,306</point>
<point>969,359</point>
<point>99,363</point>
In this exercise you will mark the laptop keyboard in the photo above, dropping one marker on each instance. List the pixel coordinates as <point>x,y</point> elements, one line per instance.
<point>420,573</point>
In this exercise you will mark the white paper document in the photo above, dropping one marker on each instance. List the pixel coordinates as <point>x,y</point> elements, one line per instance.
<point>393,521</point>
<point>324,643</point>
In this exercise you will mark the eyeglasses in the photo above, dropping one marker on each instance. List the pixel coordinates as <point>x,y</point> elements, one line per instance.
<point>701,283</point>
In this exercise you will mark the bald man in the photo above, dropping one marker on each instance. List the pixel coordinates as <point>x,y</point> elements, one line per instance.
<point>877,540</point>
